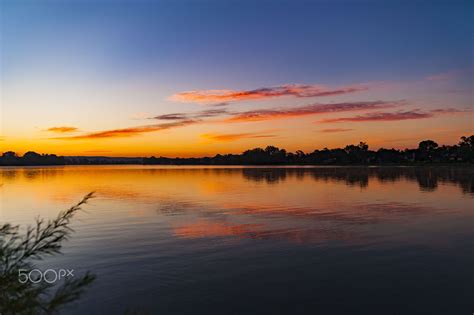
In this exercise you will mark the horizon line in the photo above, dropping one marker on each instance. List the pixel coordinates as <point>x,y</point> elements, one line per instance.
<point>230,153</point>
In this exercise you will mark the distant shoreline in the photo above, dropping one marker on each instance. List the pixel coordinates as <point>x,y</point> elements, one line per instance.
<point>427,153</point>
<point>430,164</point>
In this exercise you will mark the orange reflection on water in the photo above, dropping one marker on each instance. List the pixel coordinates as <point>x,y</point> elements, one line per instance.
<point>204,228</point>
<point>300,205</point>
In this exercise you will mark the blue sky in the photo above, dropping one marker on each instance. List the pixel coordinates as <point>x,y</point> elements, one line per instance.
<point>221,41</point>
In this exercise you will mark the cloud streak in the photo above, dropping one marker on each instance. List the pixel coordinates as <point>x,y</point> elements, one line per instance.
<point>402,115</point>
<point>128,132</point>
<point>62,129</point>
<point>211,113</point>
<point>450,111</point>
<point>394,116</point>
<point>176,120</point>
<point>331,130</point>
<point>296,90</point>
<point>174,116</point>
<point>202,114</point>
<point>444,76</point>
<point>312,109</point>
<point>235,136</point>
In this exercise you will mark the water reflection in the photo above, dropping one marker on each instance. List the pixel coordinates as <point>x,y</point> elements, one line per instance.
<point>427,178</point>
<point>158,236</point>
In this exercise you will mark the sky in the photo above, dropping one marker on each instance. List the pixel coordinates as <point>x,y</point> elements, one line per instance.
<point>195,78</point>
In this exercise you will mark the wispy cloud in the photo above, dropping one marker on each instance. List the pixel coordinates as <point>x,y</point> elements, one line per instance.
<point>312,109</point>
<point>281,112</point>
<point>330,130</point>
<point>394,116</point>
<point>296,90</point>
<point>211,113</point>
<point>450,111</point>
<point>235,136</point>
<point>219,104</point>
<point>174,116</point>
<point>444,76</point>
<point>201,114</point>
<point>401,115</point>
<point>62,129</point>
<point>128,132</point>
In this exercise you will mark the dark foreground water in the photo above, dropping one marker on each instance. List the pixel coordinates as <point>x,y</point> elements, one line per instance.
<point>182,240</point>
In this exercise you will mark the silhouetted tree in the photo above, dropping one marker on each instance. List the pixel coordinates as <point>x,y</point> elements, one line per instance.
<point>466,149</point>
<point>427,145</point>
<point>357,153</point>
<point>31,158</point>
<point>426,150</point>
<point>467,141</point>
<point>10,158</point>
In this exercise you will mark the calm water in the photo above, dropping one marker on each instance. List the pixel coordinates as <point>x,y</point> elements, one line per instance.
<point>184,240</point>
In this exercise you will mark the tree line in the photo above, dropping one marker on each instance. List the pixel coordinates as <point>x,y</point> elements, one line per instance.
<point>10,158</point>
<point>428,151</point>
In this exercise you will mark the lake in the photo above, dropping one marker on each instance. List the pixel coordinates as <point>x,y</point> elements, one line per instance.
<point>259,240</point>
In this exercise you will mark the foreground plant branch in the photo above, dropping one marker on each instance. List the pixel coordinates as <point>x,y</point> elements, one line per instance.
<point>17,251</point>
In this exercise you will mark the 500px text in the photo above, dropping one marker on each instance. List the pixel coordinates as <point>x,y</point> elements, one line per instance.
<point>48,275</point>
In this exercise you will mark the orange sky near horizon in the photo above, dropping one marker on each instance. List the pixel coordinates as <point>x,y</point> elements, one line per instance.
<point>318,117</point>
<point>208,138</point>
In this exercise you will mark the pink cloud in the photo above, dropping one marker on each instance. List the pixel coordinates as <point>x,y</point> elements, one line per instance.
<point>312,109</point>
<point>296,90</point>
<point>395,116</point>
<point>127,132</point>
